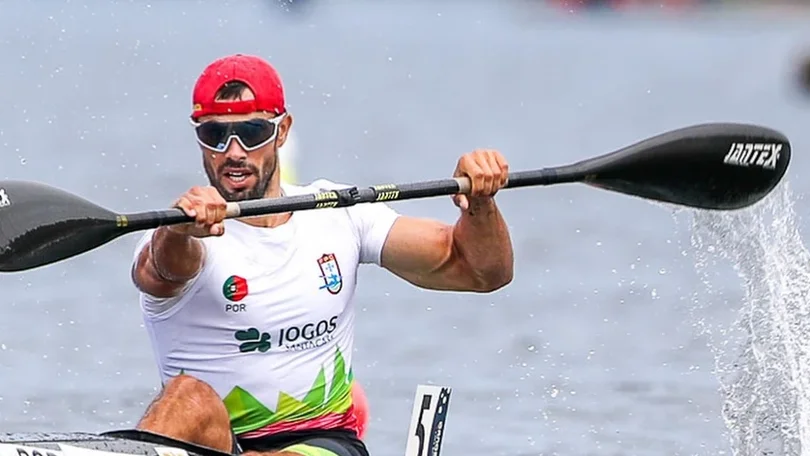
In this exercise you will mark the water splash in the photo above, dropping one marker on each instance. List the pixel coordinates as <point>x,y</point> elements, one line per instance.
<point>762,357</point>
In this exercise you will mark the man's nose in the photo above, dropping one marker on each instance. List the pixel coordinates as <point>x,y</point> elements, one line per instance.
<point>234,151</point>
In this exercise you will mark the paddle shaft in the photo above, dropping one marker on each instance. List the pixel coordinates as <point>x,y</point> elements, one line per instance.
<point>350,196</point>
<point>716,166</point>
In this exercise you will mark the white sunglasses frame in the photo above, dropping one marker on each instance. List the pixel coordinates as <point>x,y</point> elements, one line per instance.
<point>273,120</point>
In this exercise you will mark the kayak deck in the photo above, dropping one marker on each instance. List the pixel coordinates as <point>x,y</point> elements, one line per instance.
<point>128,442</point>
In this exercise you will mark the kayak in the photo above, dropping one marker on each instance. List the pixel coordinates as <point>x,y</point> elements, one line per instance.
<point>118,443</point>
<point>424,437</point>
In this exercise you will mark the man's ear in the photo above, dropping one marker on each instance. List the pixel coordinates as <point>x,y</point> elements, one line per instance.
<point>284,129</point>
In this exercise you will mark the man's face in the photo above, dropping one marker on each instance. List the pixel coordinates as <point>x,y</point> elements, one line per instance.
<point>239,174</point>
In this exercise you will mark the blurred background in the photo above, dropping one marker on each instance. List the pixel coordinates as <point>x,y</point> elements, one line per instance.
<point>598,347</point>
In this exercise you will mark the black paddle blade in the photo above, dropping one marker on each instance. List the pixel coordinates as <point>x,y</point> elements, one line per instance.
<point>40,225</point>
<point>721,166</point>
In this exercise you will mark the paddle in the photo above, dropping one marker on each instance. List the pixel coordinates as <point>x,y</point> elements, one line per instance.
<point>720,166</point>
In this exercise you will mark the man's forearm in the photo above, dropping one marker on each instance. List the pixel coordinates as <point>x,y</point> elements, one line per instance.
<point>176,257</point>
<point>482,240</point>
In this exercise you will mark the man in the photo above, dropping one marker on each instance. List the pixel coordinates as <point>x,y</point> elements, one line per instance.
<point>252,320</point>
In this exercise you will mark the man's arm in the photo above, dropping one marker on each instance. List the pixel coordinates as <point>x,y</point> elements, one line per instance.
<point>174,255</point>
<point>167,263</point>
<point>475,254</point>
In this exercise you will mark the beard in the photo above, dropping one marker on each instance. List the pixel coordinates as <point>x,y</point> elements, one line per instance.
<point>258,190</point>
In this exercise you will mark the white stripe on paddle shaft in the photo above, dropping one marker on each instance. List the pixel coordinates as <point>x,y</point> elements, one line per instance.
<point>427,420</point>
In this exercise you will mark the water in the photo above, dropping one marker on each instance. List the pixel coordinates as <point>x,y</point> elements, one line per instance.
<point>596,348</point>
<point>762,357</point>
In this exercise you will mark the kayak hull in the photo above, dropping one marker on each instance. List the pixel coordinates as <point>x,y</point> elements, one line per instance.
<point>119,443</point>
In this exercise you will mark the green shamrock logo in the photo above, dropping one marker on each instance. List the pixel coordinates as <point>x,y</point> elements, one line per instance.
<point>252,340</point>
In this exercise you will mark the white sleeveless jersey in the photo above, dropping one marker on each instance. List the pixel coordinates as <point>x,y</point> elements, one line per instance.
<point>269,320</point>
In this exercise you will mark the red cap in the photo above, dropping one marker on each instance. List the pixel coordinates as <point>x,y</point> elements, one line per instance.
<point>258,74</point>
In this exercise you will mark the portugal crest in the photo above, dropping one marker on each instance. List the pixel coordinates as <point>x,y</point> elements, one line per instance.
<point>235,288</point>
<point>330,273</point>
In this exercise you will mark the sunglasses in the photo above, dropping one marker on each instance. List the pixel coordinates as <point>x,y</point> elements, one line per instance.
<point>250,134</point>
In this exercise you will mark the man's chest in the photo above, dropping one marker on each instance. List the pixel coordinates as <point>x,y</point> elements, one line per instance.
<point>271,284</point>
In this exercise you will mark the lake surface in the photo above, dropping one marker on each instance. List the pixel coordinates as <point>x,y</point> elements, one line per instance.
<point>594,349</point>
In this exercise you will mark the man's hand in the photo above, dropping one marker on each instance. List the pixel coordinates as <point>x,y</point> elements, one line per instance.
<point>207,206</point>
<point>488,173</point>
